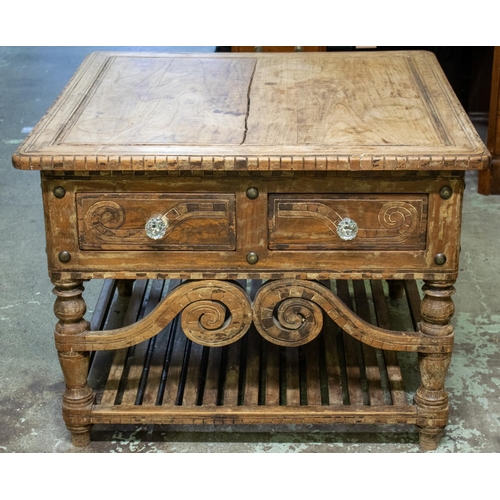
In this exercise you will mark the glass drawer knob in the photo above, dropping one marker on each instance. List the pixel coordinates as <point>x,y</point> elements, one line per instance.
<point>156,228</point>
<point>347,229</point>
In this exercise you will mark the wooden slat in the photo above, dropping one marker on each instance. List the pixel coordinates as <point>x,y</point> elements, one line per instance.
<point>351,348</point>
<point>413,298</point>
<point>156,366</point>
<point>184,372</point>
<point>136,372</point>
<point>258,414</point>
<point>232,375</point>
<point>370,356</point>
<point>233,365</point>
<point>174,367</point>
<point>151,392</point>
<point>251,390</point>
<point>272,373</point>
<point>192,387</point>
<point>395,378</point>
<point>313,380</point>
<point>103,304</point>
<point>380,304</point>
<point>292,376</point>
<point>333,375</point>
<point>253,354</point>
<point>120,356</point>
<point>391,358</point>
<point>101,361</point>
<point>211,391</point>
<point>332,363</point>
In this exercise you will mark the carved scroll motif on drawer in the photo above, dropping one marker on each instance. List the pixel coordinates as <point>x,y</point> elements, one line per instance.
<point>117,221</point>
<point>330,222</point>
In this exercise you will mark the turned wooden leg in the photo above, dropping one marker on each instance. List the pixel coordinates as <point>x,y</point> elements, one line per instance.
<point>431,398</point>
<point>70,308</point>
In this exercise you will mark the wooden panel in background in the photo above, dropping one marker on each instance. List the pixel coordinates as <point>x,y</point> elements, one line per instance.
<point>489,180</point>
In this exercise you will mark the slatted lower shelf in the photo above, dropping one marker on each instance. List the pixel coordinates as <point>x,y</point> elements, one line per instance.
<point>333,379</point>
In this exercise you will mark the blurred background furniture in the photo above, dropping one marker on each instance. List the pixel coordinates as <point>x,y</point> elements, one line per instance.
<point>489,180</point>
<point>268,48</point>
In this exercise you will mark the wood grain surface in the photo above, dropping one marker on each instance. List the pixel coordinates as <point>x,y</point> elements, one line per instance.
<point>268,111</point>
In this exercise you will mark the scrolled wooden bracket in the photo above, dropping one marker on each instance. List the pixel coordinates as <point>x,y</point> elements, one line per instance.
<point>288,313</point>
<point>214,313</point>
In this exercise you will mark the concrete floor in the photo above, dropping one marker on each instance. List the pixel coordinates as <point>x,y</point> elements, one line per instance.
<point>31,380</point>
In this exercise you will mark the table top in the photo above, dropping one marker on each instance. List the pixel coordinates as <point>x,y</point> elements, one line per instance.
<point>268,111</point>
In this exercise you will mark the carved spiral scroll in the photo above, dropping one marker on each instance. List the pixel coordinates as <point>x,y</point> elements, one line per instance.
<point>104,217</point>
<point>287,316</point>
<point>400,217</point>
<point>217,317</point>
<point>214,313</point>
<point>289,313</point>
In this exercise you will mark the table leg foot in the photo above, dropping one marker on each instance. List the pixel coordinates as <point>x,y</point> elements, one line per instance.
<point>429,437</point>
<point>80,436</point>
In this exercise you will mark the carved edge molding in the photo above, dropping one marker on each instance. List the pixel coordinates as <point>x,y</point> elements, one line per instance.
<point>285,312</point>
<point>479,161</point>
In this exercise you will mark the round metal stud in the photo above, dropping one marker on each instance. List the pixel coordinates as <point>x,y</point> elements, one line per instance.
<point>252,193</point>
<point>445,192</point>
<point>59,192</point>
<point>252,258</point>
<point>64,256</point>
<point>440,259</point>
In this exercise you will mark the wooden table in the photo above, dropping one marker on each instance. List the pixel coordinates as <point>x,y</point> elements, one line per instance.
<point>306,173</point>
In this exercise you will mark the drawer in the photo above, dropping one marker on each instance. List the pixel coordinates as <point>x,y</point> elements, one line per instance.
<point>216,228</point>
<point>117,221</point>
<point>326,222</point>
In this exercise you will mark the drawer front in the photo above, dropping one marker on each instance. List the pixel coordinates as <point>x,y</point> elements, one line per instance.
<point>219,228</point>
<point>314,222</point>
<point>117,221</point>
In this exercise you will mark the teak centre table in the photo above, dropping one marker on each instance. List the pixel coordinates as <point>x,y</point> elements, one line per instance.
<point>294,171</point>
